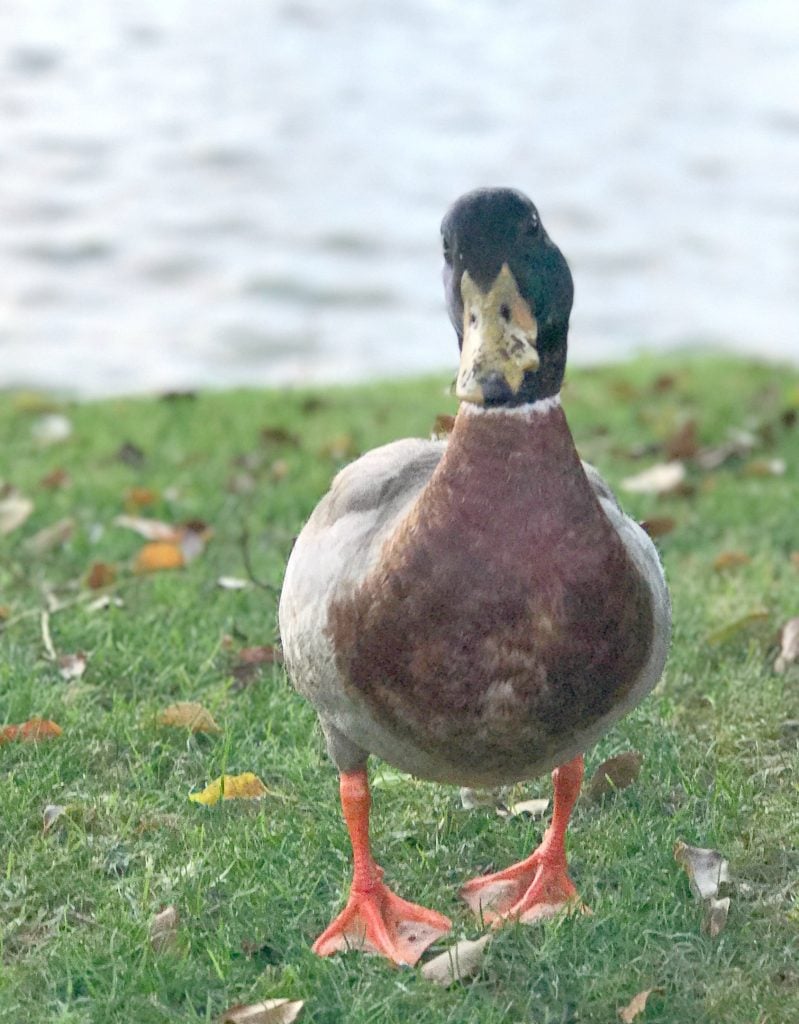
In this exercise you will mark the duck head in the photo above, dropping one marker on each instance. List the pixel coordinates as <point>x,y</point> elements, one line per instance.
<point>509,294</point>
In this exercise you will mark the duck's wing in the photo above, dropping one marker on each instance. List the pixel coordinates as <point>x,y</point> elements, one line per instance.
<point>645,557</point>
<point>337,547</point>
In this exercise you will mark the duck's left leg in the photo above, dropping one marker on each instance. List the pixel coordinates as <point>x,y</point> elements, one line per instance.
<point>539,886</point>
<point>375,919</point>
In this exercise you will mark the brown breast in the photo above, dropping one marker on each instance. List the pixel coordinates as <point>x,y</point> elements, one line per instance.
<point>505,610</point>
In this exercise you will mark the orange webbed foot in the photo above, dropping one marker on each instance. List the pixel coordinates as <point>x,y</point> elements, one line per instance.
<point>376,920</point>
<point>529,891</point>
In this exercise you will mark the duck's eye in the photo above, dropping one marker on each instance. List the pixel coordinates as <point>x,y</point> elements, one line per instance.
<point>532,225</point>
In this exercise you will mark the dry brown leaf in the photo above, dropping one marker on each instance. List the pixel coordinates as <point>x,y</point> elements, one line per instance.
<point>14,510</point>
<point>535,808</point>
<point>664,478</point>
<point>5,612</point>
<point>716,912</point>
<point>789,646</point>
<point>279,470</point>
<point>188,715</point>
<point>658,526</point>
<point>270,1011</point>
<point>32,731</point>
<point>150,529</point>
<point>460,961</point>
<point>55,479</point>
<point>164,929</point>
<point>636,1006</point>
<point>683,443</point>
<point>747,623</point>
<point>246,786</point>
<point>158,556</point>
<point>617,772</point>
<point>342,446</point>
<point>706,869</point>
<point>101,574</point>
<point>140,497</point>
<point>50,537</point>
<point>72,666</point>
<point>265,654</point>
<point>442,427</point>
<point>730,560</point>
<point>765,467</point>
<point>279,436</point>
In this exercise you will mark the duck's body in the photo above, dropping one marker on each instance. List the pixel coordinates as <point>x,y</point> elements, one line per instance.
<point>440,613</point>
<point>477,611</point>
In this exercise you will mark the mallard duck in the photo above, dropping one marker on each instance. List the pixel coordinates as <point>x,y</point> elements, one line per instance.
<point>480,611</point>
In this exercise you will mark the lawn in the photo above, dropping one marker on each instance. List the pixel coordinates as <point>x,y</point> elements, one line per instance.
<point>255,881</point>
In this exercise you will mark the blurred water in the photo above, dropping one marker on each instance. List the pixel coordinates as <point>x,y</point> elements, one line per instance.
<point>196,193</point>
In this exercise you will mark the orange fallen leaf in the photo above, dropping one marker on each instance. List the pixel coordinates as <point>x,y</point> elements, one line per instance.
<point>32,731</point>
<point>189,715</point>
<point>270,1011</point>
<point>730,560</point>
<point>636,1006</point>
<point>159,555</point>
<point>101,574</point>
<point>246,786</point>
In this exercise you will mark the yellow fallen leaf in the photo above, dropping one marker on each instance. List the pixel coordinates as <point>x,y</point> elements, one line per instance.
<point>636,1006</point>
<point>460,961</point>
<point>270,1011</point>
<point>159,555</point>
<point>246,786</point>
<point>187,714</point>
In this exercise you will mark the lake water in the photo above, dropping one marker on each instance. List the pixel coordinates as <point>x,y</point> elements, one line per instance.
<point>249,192</point>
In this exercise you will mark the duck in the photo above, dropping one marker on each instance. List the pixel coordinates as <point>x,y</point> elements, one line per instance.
<point>477,611</point>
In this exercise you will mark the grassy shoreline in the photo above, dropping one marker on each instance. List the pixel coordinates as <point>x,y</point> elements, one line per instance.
<point>254,884</point>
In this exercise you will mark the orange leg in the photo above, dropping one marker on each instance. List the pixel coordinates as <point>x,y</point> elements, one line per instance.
<point>374,919</point>
<point>539,886</point>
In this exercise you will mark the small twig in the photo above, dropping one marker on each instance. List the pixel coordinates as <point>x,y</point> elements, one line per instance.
<point>47,640</point>
<point>245,557</point>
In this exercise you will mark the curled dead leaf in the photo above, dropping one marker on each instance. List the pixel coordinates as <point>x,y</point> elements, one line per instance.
<point>50,537</point>
<point>51,814</point>
<point>706,869</point>
<point>716,913</point>
<point>246,786</point>
<point>188,715</point>
<point>270,1011</point>
<point>789,646</point>
<point>164,929</point>
<point>636,1006</point>
<point>72,666</point>
<point>617,772</point>
<point>463,960</point>
<point>14,509</point>
<point>664,478</point>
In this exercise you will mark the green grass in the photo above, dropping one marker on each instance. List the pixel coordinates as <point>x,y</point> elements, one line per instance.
<point>255,884</point>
